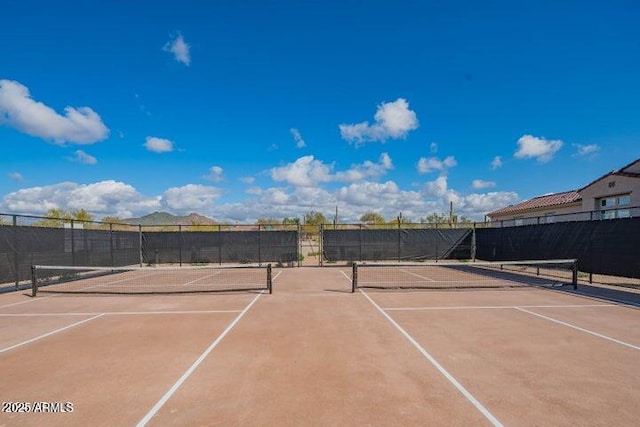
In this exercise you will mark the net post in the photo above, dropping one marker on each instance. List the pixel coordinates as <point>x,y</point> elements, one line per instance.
<point>354,277</point>
<point>269,279</point>
<point>34,282</point>
<point>574,274</point>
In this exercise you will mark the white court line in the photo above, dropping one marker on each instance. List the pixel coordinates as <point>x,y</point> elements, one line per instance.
<point>114,281</point>
<point>49,333</point>
<point>491,307</point>
<point>119,313</point>
<point>578,328</point>
<point>202,278</point>
<point>24,302</point>
<point>346,275</point>
<point>484,411</point>
<point>429,279</point>
<point>276,276</point>
<point>193,367</point>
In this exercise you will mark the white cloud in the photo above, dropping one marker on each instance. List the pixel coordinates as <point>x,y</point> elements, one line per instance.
<point>496,163</point>
<point>248,180</point>
<point>215,174</point>
<point>100,198</point>
<point>367,169</point>
<point>585,150</point>
<point>431,164</point>
<point>392,120</point>
<point>16,176</point>
<point>191,198</point>
<point>474,205</point>
<point>369,193</point>
<point>123,200</point>
<point>433,148</point>
<point>479,184</point>
<point>298,138</point>
<point>179,48</point>
<point>309,172</point>
<point>84,158</point>
<point>541,149</point>
<point>158,145</point>
<point>436,188</point>
<point>79,125</point>
<point>304,172</point>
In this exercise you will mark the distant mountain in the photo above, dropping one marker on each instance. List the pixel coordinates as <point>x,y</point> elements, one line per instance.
<point>165,218</point>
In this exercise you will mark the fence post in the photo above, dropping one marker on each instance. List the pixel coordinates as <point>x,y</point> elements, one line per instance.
<point>321,245</point>
<point>16,254</point>
<point>437,234</point>
<point>473,243</point>
<point>360,241</point>
<point>73,243</point>
<point>399,226</point>
<point>259,244</point>
<point>298,261</point>
<point>111,255</point>
<point>140,247</point>
<point>219,244</point>
<point>180,244</point>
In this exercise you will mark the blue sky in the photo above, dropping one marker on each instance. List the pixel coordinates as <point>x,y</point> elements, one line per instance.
<point>240,110</point>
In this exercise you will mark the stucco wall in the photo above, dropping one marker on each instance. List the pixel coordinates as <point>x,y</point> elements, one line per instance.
<point>612,185</point>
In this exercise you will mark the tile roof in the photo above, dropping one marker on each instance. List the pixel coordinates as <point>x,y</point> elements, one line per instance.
<point>541,202</point>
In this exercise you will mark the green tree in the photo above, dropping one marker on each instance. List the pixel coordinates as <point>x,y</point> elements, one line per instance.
<point>315,218</point>
<point>372,218</point>
<point>267,221</point>
<point>112,220</point>
<point>81,215</point>
<point>435,218</point>
<point>291,221</point>
<point>54,217</point>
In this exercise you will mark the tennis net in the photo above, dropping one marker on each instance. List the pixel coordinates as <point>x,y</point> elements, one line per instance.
<point>465,275</point>
<point>150,280</point>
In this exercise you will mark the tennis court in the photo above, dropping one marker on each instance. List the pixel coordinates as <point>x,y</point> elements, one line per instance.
<point>316,353</point>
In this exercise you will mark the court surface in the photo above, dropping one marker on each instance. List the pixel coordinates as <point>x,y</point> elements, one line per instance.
<point>313,353</point>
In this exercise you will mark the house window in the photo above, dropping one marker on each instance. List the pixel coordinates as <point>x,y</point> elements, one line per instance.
<point>610,206</point>
<point>624,213</point>
<point>609,202</point>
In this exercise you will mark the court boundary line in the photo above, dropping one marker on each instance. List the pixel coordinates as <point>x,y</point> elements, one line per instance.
<point>39,337</point>
<point>578,328</point>
<point>492,307</point>
<point>24,302</point>
<point>118,313</point>
<point>475,402</point>
<point>160,403</point>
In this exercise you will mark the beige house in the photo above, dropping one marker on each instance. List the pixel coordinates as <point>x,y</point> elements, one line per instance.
<point>614,195</point>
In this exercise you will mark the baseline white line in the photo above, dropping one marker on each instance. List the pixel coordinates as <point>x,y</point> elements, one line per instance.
<point>49,333</point>
<point>24,302</point>
<point>578,328</point>
<point>195,365</point>
<point>484,411</point>
<point>491,307</point>
<point>119,313</point>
